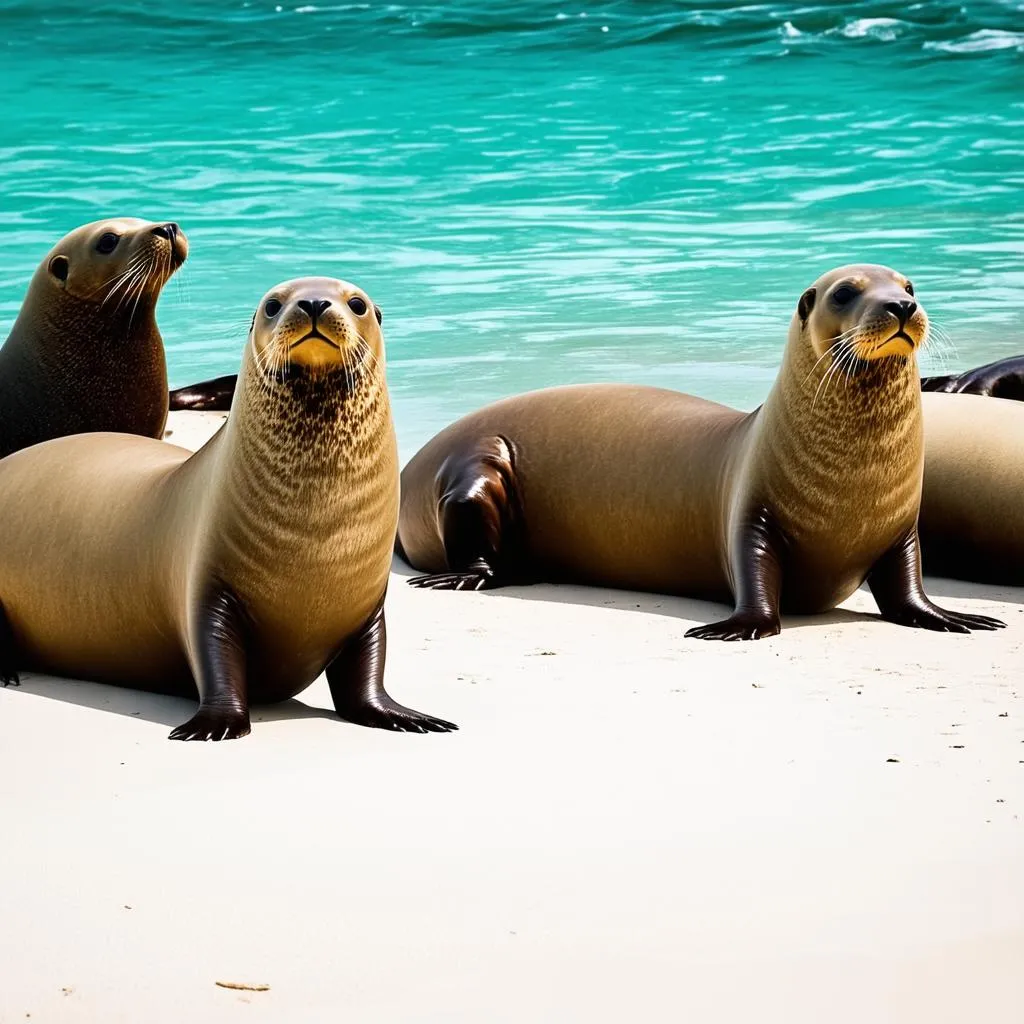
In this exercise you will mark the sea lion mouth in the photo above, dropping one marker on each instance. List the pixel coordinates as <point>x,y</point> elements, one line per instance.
<point>314,334</point>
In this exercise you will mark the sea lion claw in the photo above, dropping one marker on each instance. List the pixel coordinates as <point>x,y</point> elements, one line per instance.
<point>215,724</point>
<point>479,580</point>
<point>742,626</point>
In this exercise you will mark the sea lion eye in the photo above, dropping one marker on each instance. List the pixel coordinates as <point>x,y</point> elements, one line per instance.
<point>844,294</point>
<point>357,305</point>
<point>909,289</point>
<point>107,243</point>
<point>272,308</point>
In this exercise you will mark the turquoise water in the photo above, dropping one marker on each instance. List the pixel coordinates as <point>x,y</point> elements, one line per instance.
<point>534,192</point>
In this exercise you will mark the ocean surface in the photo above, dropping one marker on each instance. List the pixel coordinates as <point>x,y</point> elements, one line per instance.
<point>535,192</point>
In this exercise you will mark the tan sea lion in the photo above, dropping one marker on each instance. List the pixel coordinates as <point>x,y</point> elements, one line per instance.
<point>789,507</point>
<point>85,353</point>
<point>241,571</point>
<point>972,506</point>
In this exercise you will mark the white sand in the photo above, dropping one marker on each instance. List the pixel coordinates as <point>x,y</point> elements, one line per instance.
<point>629,826</point>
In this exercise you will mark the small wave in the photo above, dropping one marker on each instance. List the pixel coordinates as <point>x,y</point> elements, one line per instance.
<point>883,29</point>
<point>982,41</point>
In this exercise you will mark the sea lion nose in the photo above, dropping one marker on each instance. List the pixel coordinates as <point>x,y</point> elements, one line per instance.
<point>169,230</point>
<point>902,310</point>
<point>313,307</point>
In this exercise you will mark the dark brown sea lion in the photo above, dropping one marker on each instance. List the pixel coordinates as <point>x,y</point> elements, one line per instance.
<point>85,353</point>
<point>1001,379</point>
<point>242,571</point>
<point>790,507</point>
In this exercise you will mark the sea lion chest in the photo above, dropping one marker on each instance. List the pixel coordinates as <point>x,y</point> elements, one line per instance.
<point>304,543</point>
<point>841,486</point>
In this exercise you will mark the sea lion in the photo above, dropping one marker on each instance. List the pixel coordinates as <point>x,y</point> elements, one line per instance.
<point>205,395</point>
<point>241,571</point>
<point>85,353</point>
<point>972,515</point>
<point>789,507</point>
<point>1001,379</point>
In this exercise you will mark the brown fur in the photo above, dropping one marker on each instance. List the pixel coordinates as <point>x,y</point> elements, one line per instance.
<point>795,503</point>
<point>111,542</point>
<point>85,353</point>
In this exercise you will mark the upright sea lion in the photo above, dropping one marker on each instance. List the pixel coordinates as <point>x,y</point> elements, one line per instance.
<point>790,507</point>
<point>1001,379</point>
<point>85,353</point>
<point>972,507</point>
<point>241,571</point>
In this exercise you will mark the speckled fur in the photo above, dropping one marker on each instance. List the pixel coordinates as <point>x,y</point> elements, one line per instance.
<point>290,509</point>
<point>75,362</point>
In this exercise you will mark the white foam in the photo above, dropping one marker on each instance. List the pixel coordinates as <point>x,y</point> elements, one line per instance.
<point>885,29</point>
<point>981,41</point>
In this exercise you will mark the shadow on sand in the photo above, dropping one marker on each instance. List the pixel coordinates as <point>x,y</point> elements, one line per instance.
<point>149,707</point>
<point>941,590</point>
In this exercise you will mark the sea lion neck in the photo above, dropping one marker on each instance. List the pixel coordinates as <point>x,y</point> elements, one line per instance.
<point>848,444</point>
<point>121,330</point>
<point>828,401</point>
<point>304,439</point>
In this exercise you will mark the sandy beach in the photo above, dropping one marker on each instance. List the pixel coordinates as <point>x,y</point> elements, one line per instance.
<point>823,826</point>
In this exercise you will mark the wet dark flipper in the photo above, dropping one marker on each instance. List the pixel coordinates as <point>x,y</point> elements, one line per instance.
<point>1001,379</point>
<point>478,515</point>
<point>356,681</point>
<point>896,585</point>
<point>757,571</point>
<point>219,639</point>
<point>206,396</point>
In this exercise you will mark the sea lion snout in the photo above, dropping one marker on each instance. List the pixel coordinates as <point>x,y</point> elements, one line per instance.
<point>171,233</point>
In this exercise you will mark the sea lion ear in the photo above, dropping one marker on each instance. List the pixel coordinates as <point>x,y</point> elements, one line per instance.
<point>806,303</point>
<point>377,313</point>
<point>59,267</point>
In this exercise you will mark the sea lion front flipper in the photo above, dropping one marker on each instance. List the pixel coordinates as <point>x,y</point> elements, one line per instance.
<point>477,514</point>
<point>206,396</point>
<point>895,582</point>
<point>8,652</point>
<point>356,681</point>
<point>757,573</point>
<point>218,640</point>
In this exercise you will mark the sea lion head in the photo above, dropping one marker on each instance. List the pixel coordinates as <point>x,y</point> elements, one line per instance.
<point>116,263</point>
<point>315,327</point>
<point>861,313</point>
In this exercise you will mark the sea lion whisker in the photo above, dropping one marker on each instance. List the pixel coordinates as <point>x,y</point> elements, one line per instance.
<point>829,349</point>
<point>833,369</point>
<point>118,280</point>
<point>128,290</point>
<point>130,266</point>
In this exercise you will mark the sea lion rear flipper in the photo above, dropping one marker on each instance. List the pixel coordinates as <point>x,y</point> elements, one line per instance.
<point>1001,379</point>
<point>757,575</point>
<point>206,396</point>
<point>477,513</point>
<point>356,681</point>
<point>8,652</point>
<point>218,640</point>
<point>895,582</point>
